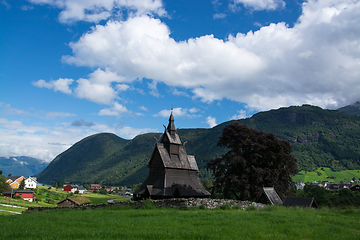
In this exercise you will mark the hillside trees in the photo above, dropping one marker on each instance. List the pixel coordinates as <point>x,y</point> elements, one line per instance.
<point>3,185</point>
<point>254,160</point>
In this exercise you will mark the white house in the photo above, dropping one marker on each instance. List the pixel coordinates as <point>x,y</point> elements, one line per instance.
<point>299,185</point>
<point>30,182</point>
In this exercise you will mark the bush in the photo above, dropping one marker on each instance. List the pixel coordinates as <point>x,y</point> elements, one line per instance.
<point>148,204</point>
<point>224,207</point>
<point>237,207</point>
<point>251,208</point>
<point>202,207</point>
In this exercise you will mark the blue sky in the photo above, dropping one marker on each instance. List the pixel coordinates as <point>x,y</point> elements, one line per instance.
<point>72,68</point>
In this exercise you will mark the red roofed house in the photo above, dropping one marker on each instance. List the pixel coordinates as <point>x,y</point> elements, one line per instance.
<point>94,187</point>
<point>73,188</point>
<point>24,194</point>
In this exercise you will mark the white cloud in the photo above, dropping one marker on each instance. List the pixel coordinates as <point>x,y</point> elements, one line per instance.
<point>95,92</point>
<point>316,61</point>
<point>129,132</point>
<point>211,121</point>
<point>61,85</point>
<point>116,110</point>
<point>18,139</point>
<point>193,110</point>
<point>7,109</point>
<point>153,89</point>
<point>219,15</point>
<point>240,115</point>
<point>178,112</point>
<point>95,10</point>
<point>261,4</point>
<point>59,114</point>
<point>97,88</point>
<point>143,108</point>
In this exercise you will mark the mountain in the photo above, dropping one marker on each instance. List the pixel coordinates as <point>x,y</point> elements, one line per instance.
<point>320,138</point>
<point>351,109</point>
<point>21,166</point>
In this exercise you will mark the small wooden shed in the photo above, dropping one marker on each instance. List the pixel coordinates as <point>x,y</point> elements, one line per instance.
<point>301,202</point>
<point>73,201</point>
<point>269,196</point>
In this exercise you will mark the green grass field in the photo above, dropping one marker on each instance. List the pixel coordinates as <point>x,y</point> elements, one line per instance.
<point>120,223</point>
<point>339,176</point>
<point>53,195</point>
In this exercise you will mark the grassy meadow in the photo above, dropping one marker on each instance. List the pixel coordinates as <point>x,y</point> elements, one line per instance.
<point>326,175</point>
<point>48,197</point>
<point>193,223</point>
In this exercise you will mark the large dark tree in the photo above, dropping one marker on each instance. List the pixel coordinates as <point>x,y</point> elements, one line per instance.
<point>255,159</point>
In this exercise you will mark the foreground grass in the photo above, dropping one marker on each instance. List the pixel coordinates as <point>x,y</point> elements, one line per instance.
<point>120,223</point>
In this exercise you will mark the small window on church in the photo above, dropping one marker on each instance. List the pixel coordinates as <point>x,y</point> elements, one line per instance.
<point>174,149</point>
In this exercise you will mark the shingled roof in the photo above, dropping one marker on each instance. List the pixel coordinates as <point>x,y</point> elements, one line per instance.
<point>269,196</point>
<point>298,201</point>
<point>77,200</point>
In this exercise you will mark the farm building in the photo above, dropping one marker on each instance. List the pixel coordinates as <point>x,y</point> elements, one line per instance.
<point>94,187</point>
<point>73,201</point>
<point>172,173</point>
<point>301,202</point>
<point>269,196</point>
<point>24,194</point>
<point>73,188</point>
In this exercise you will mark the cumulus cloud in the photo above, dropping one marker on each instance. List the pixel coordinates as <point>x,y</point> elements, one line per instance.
<point>211,121</point>
<point>260,4</point>
<point>61,85</point>
<point>97,88</point>
<point>116,110</point>
<point>316,61</point>
<point>94,10</point>
<point>240,115</point>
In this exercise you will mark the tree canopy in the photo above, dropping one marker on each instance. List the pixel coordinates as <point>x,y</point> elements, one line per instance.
<point>3,185</point>
<point>254,160</point>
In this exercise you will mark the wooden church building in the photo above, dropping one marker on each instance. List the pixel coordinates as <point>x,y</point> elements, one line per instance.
<point>172,173</point>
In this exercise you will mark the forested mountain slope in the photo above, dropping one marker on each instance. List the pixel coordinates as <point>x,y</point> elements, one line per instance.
<point>321,138</point>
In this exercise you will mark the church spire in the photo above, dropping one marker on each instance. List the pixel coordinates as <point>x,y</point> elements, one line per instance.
<point>171,127</point>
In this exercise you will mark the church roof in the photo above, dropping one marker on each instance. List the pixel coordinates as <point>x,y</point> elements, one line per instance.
<point>181,161</point>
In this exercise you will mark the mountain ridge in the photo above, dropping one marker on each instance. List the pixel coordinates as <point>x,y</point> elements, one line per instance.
<point>320,138</point>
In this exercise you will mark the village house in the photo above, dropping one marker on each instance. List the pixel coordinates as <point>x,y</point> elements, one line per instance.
<point>73,188</point>
<point>30,182</point>
<point>14,181</point>
<point>94,187</point>
<point>355,188</point>
<point>24,194</point>
<point>73,201</point>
